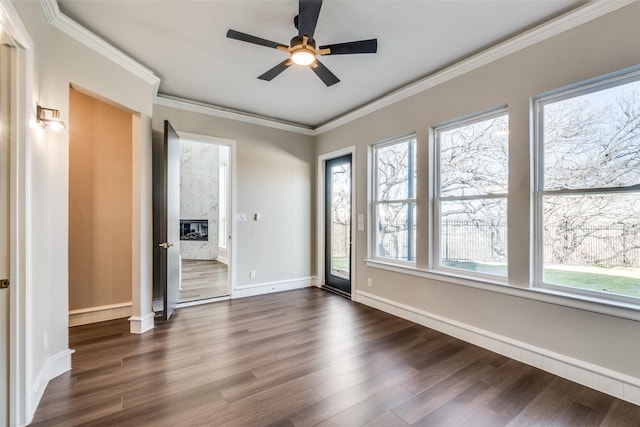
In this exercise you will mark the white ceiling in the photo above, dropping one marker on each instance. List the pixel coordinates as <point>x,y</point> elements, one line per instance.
<point>184,43</point>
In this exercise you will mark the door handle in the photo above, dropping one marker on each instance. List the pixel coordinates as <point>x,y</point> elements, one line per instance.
<point>4,283</point>
<point>165,245</point>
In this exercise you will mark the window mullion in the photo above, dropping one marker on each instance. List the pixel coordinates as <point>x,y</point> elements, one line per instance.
<point>596,190</point>
<point>474,197</point>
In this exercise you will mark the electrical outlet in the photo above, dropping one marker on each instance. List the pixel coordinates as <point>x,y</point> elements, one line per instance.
<point>252,274</point>
<point>370,282</point>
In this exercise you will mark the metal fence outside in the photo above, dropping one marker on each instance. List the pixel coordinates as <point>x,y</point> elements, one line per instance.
<point>613,245</point>
<point>340,232</point>
<point>473,241</point>
<point>393,242</point>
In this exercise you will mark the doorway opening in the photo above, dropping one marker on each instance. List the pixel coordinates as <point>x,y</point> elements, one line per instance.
<point>192,202</point>
<point>100,209</point>
<point>204,213</point>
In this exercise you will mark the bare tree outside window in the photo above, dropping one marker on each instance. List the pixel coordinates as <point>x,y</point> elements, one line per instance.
<point>590,188</point>
<point>471,204</point>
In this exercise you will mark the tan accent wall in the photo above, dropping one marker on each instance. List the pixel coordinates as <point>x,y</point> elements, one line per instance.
<point>100,187</point>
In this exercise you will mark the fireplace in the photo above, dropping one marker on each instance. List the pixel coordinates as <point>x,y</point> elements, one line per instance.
<point>194,229</point>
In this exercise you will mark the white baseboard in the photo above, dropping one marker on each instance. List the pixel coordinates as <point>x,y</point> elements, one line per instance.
<point>54,366</point>
<point>141,324</point>
<point>101,313</point>
<point>270,287</point>
<point>614,383</point>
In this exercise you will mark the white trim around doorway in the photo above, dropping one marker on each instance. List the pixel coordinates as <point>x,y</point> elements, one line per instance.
<point>22,399</point>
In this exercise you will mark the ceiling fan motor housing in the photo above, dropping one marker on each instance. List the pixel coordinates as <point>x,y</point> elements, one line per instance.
<point>299,42</point>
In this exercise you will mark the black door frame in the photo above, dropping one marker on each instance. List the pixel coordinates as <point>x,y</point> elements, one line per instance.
<point>333,282</point>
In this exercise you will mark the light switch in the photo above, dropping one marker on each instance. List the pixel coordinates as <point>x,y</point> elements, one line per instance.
<point>361,226</point>
<point>360,217</point>
<point>241,217</point>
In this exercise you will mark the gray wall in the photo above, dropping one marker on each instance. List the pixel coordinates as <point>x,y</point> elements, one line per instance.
<point>275,176</point>
<point>602,46</point>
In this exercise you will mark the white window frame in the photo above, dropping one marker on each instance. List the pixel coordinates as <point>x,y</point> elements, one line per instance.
<point>437,198</point>
<point>584,88</point>
<point>373,253</point>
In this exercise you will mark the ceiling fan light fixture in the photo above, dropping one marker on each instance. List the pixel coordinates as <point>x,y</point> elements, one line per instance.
<point>303,56</point>
<point>302,48</point>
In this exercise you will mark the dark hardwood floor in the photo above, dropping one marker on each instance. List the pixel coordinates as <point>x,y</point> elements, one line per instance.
<point>306,358</point>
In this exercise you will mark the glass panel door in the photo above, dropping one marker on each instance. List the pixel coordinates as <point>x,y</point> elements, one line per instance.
<point>338,224</point>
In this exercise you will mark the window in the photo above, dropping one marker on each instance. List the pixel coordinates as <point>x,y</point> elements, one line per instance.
<point>588,189</point>
<point>394,204</point>
<point>470,197</point>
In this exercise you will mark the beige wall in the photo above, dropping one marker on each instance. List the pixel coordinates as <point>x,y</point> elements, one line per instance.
<point>602,46</point>
<point>99,203</point>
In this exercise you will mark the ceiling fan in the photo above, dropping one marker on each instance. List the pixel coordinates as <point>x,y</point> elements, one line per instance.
<point>302,48</point>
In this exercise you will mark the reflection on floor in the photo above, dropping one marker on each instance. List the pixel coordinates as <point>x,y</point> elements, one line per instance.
<point>203,279</point>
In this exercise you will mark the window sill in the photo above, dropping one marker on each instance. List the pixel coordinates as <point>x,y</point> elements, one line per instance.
<point>595,305</point>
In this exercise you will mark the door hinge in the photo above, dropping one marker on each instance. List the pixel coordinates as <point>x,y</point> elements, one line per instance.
<point>4,283</point>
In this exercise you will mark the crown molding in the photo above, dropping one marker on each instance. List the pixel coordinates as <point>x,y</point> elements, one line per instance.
<point>92,41</point>
<point>568,21</point>
<point>228,113</point>
<point>13,26</point>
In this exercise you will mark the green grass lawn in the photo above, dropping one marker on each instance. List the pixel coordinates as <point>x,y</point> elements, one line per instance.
<point>597,282</point>
<point>340,263</point>
<point>609,282</point>
<point>495,269</point>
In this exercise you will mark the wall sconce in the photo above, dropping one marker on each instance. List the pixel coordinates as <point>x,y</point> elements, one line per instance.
<point>49,118</point>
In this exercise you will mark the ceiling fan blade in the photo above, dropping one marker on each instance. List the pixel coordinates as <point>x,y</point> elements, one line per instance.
<point>275,71</point>
<point>362,46</point>
<point>308,12</point>
<point>237,35</point>
<point>323,72</point>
